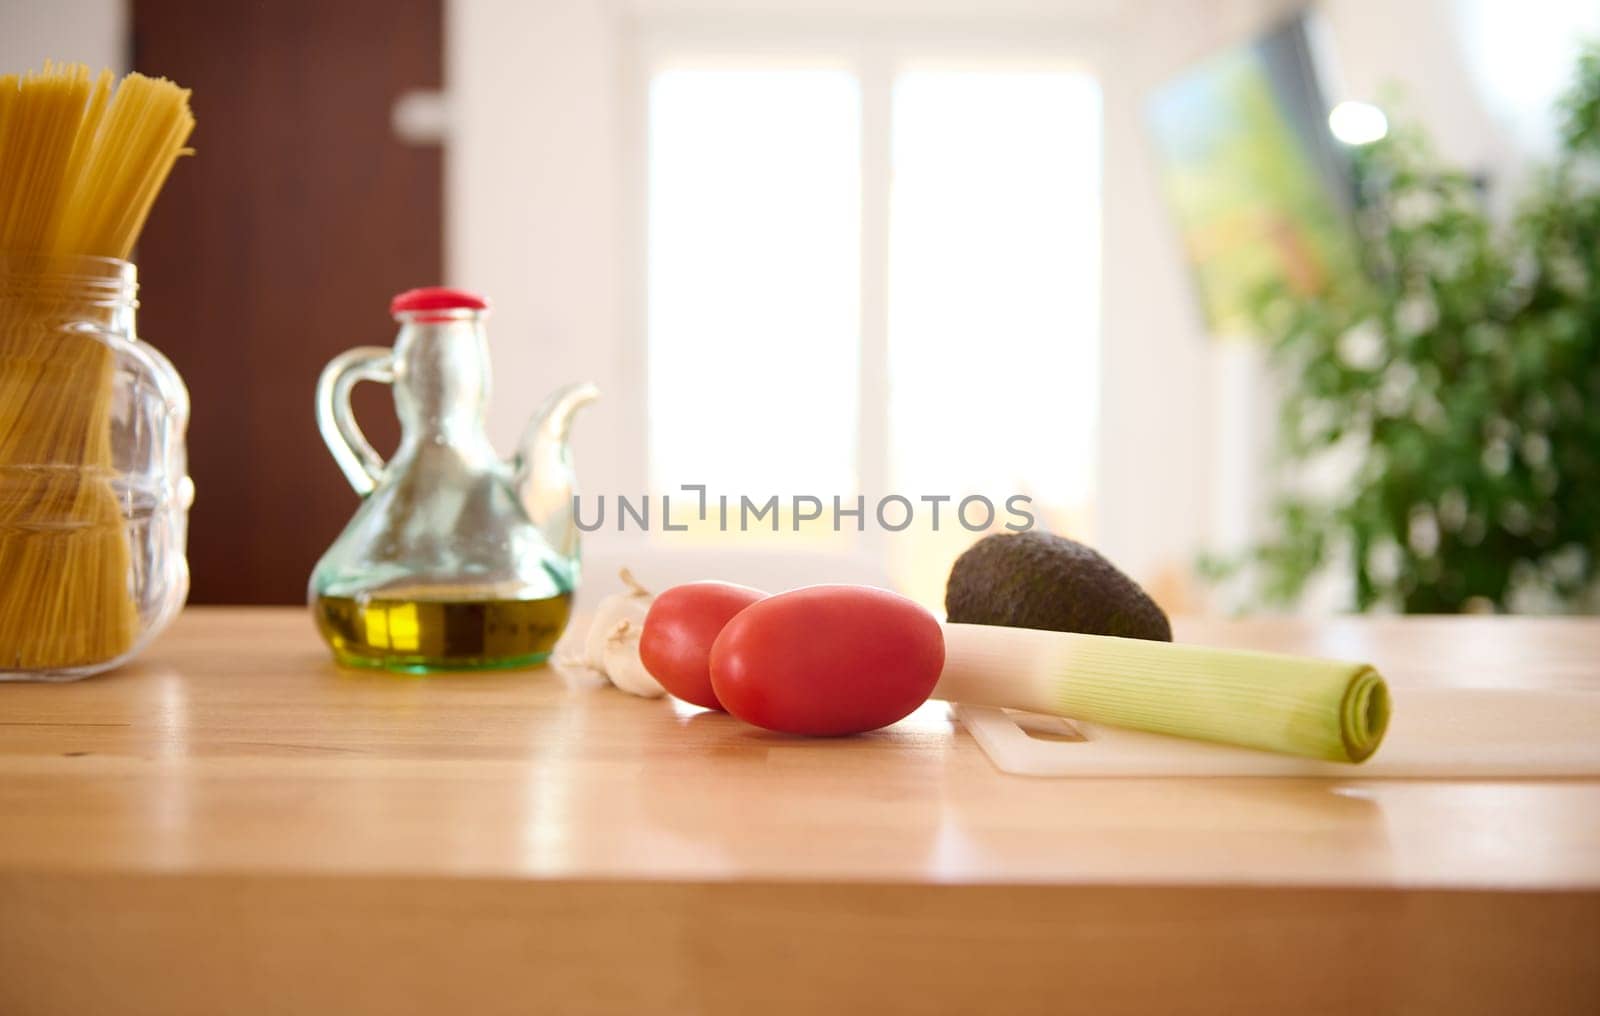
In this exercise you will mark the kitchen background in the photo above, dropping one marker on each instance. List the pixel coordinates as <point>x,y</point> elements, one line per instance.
<point>861,246</point>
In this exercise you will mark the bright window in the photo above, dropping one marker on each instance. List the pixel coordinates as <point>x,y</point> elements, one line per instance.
<point>754,280</point>
<point>762,189</point>
<point>994,286</point>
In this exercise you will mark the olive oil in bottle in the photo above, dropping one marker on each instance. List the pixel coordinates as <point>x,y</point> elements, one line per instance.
<point>422,635</point>
<point>456,558</point>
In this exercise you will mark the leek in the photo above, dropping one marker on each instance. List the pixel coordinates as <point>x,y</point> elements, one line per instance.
<point>1323,709</point>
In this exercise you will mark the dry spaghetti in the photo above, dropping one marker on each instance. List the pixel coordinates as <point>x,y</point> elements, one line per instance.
<point>81,163</point>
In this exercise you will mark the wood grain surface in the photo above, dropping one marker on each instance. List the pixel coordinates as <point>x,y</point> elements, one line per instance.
<point>235,824</point>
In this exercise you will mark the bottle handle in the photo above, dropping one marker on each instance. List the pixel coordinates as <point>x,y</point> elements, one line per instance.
<point>362,465</point>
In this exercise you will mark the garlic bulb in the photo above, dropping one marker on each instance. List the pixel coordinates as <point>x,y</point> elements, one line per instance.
<point>622,664</point>
<point>612,645</point>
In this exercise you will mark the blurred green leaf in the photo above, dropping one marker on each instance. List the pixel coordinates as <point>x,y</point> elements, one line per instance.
<point>1476,386</point>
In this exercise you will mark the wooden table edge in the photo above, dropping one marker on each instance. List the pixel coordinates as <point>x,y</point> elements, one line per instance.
<point>171,943</point>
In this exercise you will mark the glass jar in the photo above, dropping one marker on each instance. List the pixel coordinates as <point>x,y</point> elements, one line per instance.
<point>94,489</point>
<point>455,559</point>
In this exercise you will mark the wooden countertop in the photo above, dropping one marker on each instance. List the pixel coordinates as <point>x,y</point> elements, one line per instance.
<point>318,835</point>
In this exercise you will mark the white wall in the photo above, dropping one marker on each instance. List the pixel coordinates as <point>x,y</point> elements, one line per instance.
<point>86,31</point>
<point>1176,461</point>
<point>533,207</point>
<point>1518,55</point>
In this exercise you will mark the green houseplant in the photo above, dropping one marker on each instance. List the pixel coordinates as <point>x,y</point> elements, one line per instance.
<point>1457,381</point>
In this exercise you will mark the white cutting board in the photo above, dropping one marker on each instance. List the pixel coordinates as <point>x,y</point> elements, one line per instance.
<point>1434,733</point>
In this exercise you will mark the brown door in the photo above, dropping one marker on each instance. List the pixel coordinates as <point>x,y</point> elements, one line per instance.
<point>277,246</point>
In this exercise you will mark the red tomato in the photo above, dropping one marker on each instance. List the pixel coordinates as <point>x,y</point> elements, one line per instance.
<point>675,646</point>
<point>827,660</point>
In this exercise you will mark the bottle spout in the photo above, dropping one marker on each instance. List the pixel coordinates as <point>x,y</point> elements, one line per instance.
<point>544,477</point>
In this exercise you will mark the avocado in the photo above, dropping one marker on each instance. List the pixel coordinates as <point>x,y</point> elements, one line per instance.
<point>1040,580</point>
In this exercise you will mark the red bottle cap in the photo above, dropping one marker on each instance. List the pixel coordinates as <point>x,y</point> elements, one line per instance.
<point>436,298</point>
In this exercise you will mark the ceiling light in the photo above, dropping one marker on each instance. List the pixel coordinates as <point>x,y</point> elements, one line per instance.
<point>1358,123</point>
